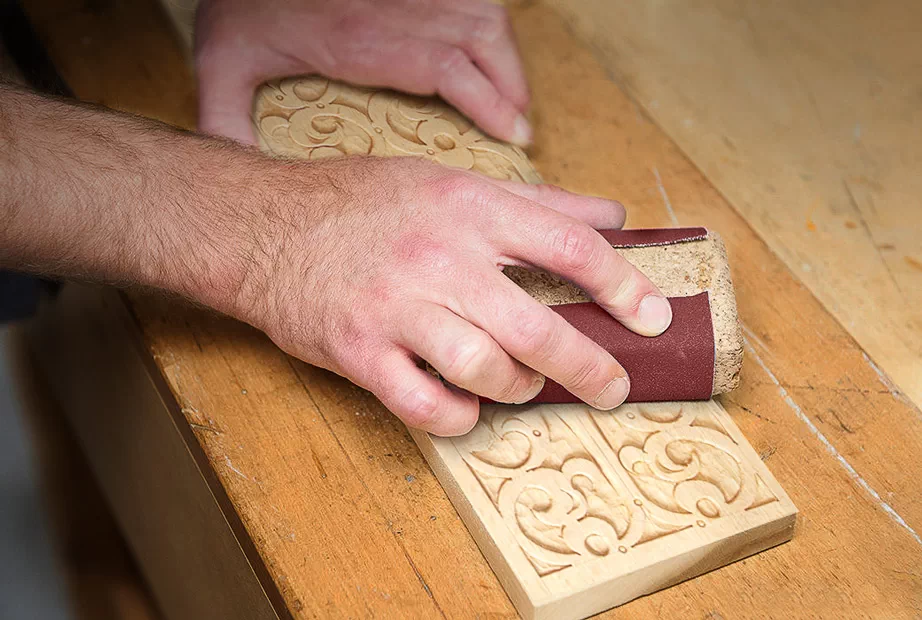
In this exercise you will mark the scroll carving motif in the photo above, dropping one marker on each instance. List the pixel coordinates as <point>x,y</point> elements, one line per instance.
<point>313,117</point>
<point>575,484</point>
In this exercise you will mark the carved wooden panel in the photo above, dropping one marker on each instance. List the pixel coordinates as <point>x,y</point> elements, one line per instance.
<point>579,510</point>
<point>312,117</point>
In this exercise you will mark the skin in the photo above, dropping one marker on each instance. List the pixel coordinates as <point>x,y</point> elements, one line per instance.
<point>367,267</point>
<point>462,50</point>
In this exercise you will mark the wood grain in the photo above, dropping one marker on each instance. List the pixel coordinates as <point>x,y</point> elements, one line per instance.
<point>171,517</point>
<point>806,117</point>
<point>318,452</point>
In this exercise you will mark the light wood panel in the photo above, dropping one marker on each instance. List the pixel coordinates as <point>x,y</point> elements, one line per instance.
<point>295,448</point>
<point>807,116</point>
<point>578,510</point>
<point>315,118</point>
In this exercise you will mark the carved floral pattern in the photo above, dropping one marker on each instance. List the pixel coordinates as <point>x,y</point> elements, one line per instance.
<point>574,484</point>
<point>312,117</point>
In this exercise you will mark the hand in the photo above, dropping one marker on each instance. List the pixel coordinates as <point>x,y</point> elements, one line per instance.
<point>399,260</point>
<point>364,266</point>
<point>462,50</point>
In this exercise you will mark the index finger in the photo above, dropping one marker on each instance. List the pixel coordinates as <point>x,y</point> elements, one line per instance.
<point>541,237</point>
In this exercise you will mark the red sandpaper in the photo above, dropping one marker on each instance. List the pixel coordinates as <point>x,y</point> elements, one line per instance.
<point>643,237</point>
<point>676,365</point>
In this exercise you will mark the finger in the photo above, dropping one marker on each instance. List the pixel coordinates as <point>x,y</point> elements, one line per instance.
<point>571,249</point>
<point>486,36</point>
<point>465,86</point>
<point>427,67</point>
<point>225,104</point>
<point>419,399</point>
<point>468,357</point>
<point>539,338</point>
<point>225,97</point>
<point>600,213</point>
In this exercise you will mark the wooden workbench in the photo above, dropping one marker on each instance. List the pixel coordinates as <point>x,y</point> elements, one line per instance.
<point>252,485</point>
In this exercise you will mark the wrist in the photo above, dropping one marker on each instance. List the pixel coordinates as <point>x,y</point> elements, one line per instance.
<point>213,221</point>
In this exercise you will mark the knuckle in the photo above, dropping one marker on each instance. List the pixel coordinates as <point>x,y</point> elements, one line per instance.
<point>353,40</point>
<point>450,60</point>
<point>587,377</point>
<point>422,254</point>
<point>460,189</point>
<point>514,388</point>
<point>494,11</point>
<point>494,104</point>
<point>532,329</point>
<point>417,407</point>
<point>490,29</point>
<point>467,358</point>
<point>575,247</point>
<point>629,291</point>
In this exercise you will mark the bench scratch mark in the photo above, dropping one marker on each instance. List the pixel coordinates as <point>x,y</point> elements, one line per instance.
<point>885,380</point>
<point>662,192</point>
<point>752,336</point>
<point>853,474</point>
<point>231,467</point>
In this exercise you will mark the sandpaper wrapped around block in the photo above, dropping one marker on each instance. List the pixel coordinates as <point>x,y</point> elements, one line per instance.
<point>698,356</point>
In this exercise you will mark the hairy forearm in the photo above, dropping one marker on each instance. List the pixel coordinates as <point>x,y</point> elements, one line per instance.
<point>87,193</point>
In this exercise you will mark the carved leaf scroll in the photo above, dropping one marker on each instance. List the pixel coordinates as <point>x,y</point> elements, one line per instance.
<point>313,117</point>
<point>575,484</point>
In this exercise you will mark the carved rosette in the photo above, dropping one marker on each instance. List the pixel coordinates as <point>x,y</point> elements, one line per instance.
<point>575,484</point>
<point>312,118</point>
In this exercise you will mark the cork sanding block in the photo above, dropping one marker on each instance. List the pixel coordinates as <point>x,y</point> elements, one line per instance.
<point>698,356</point>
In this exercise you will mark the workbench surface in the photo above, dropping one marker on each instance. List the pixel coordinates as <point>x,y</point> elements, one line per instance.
<point>301,489</point>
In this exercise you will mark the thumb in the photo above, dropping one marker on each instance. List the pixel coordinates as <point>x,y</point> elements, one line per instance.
<point>225,107</point>
<point>226,101</point>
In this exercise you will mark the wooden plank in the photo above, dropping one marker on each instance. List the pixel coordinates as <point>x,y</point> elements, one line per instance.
<point>854,555</point>
<point>171,517</point>
<point>806,117</point>
<point>149,74</point>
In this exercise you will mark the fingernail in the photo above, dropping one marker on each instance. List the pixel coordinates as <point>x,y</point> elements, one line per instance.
<point>521,132</point>
<point>655,314</point>
<point>536,388</point>
<point>613,394</point>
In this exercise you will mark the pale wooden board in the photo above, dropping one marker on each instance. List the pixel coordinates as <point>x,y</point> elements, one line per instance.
<point>807,117</point>
<point>324,462</point>
<point>567,561</point>
<point>579,510</point>
<point>315,118</point>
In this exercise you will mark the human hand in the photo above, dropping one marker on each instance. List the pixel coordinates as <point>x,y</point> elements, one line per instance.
<point>462,50</point>
<point>367,266</point>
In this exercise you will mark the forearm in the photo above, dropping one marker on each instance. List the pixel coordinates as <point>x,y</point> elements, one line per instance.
<point>91,194</point>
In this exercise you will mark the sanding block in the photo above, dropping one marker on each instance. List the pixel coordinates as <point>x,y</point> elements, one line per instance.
<point>701,353</point>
